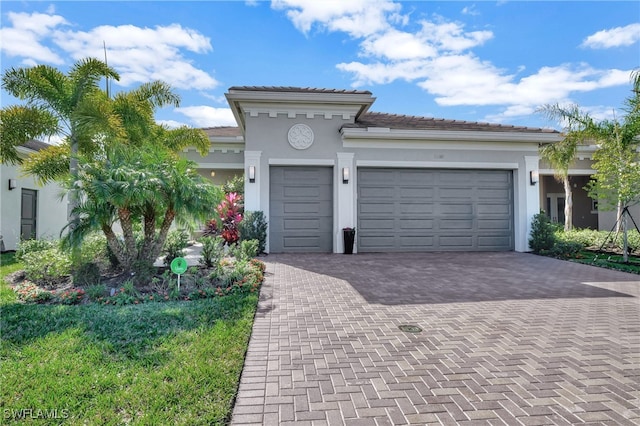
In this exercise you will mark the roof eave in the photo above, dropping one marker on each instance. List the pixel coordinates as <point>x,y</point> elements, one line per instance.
<point>449,135</point>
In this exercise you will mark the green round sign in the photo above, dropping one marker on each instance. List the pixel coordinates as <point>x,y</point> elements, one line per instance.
<point>179,265</point>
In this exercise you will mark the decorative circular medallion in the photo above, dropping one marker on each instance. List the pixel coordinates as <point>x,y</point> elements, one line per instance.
<point>300,136</point>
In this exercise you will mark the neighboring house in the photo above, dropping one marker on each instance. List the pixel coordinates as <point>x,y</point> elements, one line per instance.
<point>27,209</point>
<point>316,161</point>
<point>586,213</point>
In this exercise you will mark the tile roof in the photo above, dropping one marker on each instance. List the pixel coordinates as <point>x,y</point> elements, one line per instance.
<point>223,131</point>
<point>297,89</point>
<point>35,145</point>
<point>409,122</point>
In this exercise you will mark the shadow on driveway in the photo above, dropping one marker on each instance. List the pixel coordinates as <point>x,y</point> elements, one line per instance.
<point>418,278</point>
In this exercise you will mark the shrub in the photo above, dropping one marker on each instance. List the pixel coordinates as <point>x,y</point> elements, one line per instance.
<point>94,249</point>
<point>48,267</point>
<point>254,227</point>
<point>126,295</point>
<point>96,291</point>
<point>32,246</point>
<point>86,274</point>
<point>177,240</point>
<point>566,249</point>
<point>229,211</point>
<point>236,184</point>
<point>28,292</point>
<point>72,296</point>
<point>245,250</point>
<point>212,251</point>
<point>542,236</point>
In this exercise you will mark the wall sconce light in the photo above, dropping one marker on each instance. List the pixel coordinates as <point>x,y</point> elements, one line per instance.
<point>252,174</point>
<point>345,175</point>
<point>12,184</point>
<point>534,177</point>
<point>213,173</point>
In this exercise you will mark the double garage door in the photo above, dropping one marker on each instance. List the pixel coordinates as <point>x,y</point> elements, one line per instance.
<point>399,210</point>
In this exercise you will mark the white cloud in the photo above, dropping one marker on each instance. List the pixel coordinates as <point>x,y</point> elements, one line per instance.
<point>438,57</point>
<point>358,18</point>
<point>24,38</point>
<point>139,54</point>
<point>206,116</point>
<point>143,54</point>
<point>470,10</point>
<point>614,37</point>
<point>172,124</point>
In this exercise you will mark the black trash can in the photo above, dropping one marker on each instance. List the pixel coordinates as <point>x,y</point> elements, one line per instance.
<point>349,238</point>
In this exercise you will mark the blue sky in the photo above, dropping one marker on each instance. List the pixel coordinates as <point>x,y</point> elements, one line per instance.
<point>478,61</point>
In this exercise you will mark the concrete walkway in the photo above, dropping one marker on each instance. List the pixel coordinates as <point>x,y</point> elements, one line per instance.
<point>507,338</point>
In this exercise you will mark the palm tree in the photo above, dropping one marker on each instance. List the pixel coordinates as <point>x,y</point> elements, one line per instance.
<point>55,104</point>
<point>147,185</point>
<point>561,155</point>
<point>135,177</point>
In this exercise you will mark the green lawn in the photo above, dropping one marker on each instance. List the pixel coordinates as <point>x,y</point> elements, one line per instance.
<point>156,363</point>
<point>610,261</point>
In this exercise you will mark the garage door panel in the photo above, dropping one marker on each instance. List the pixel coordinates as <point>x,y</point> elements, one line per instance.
<point>309,244</point>
<point>430,210</point>
<point>415,192</point>
<point>373,192</point>
<point>494,224</point>
<point>462,242</point>
<point>301,191</point>
<point>461,224</point>
<point>415,208</point>
<point>377,208</point>
<point>501,209</point>
<point>455,209</point>
<point>413,177</point>
<point>493,179</point>
<point>300,224</point>
<point>415,224</point>
<point>415,241</point>
<point>301,209</point>
<point>388,224</point>
<point>376,241</point>
<point>458,193</point>
<point>451,177</point>
<point>496,193</point>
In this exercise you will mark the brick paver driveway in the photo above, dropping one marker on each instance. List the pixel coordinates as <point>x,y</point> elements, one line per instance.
<point>507,338</point>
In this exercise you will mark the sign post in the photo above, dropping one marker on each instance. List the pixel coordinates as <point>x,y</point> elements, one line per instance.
<point>179,267</point>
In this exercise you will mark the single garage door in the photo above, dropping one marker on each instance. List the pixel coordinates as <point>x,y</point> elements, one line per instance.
<point>434,210</point>
<point>301,209</point>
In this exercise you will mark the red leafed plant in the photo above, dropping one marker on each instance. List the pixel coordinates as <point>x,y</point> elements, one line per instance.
<point>229,212</point>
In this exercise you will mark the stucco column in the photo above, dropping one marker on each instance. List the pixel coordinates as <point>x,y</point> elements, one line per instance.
<point>252,189</point>
<point>531,199</point>
<point>346,199</point>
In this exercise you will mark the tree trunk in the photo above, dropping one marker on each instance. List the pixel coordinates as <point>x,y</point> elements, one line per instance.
<point>169,215</point>
<point>114,244</point>
<point>618,217</point>
<point>149,230</point>
<point>568,204</point>
<point>129,239</point>
<point>74,196</point>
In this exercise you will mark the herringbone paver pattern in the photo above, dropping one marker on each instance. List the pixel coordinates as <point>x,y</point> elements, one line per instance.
<point>508,338</point>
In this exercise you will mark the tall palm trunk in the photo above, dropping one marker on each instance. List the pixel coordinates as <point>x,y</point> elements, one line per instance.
<point>568,204</point>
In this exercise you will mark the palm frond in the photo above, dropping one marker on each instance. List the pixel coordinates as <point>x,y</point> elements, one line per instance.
<point>49,164</point>
<point>19,124</point>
